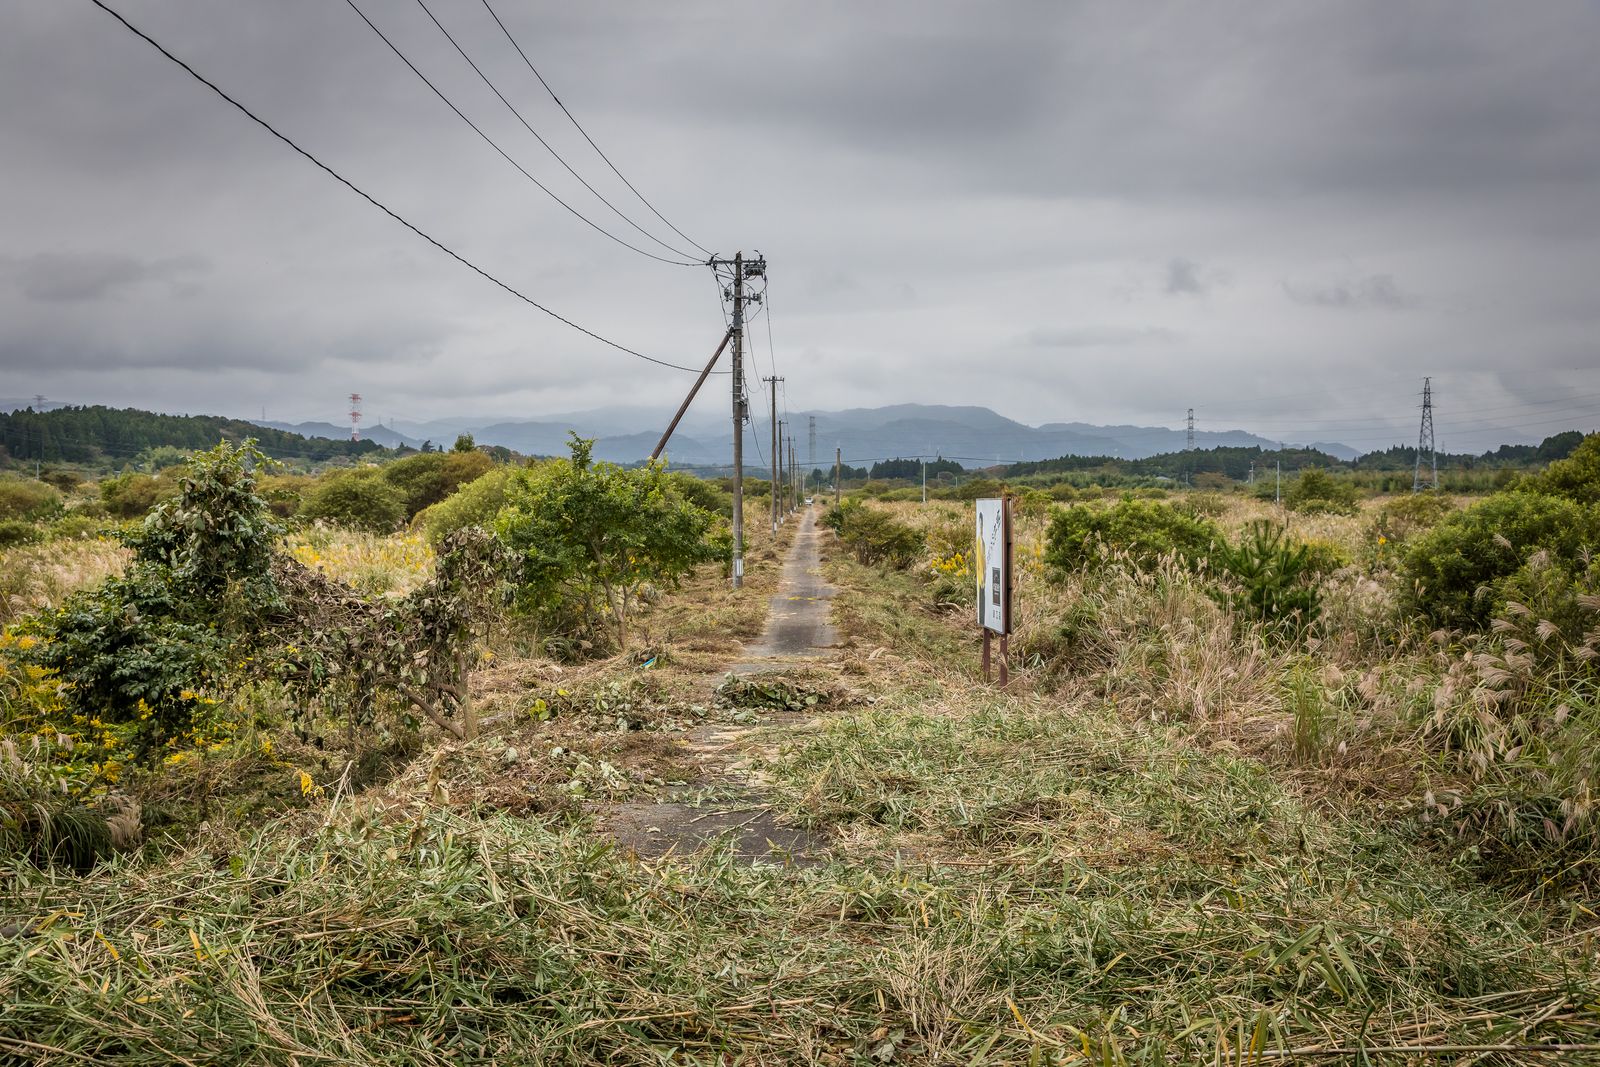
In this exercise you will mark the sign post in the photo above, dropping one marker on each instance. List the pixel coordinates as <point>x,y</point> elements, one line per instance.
<point>992,559</point>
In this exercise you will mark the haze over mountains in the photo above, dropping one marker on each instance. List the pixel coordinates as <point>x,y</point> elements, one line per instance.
<point>974,436</point>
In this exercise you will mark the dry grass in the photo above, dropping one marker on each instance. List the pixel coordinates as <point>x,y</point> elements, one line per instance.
<point>36,577</point>
<point>372,564</point>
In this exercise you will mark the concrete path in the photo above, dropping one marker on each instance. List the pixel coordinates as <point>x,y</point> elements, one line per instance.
<point>797,623</point>
<point>798,630</point>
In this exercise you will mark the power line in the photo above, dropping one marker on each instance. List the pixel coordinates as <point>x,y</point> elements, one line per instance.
<point>585,133</point>
<point>503,153</point>
<point>525,125</point>
<point>369,198</point>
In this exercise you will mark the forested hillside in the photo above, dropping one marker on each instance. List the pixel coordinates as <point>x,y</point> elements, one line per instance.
<point>103,436</point>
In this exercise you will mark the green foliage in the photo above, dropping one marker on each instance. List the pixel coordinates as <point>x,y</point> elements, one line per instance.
<point>27,500</point>
<point>353,658</point>
<point>1405,516</point>
<point>1453,574</point>
<point>591,535</point>
<point>1316,491</point>
<point>1144,530</point>
<point>427,478</point>
<point>361,499</point>
<point>131,496</point>
<point>874,536</point>
<point>14,532</point>
<point>141,647</point>
<point>474,504</point>
<point>709,496</point>
<point>100,435</point>
<point>1575,478</point>
<point>1275,578</point>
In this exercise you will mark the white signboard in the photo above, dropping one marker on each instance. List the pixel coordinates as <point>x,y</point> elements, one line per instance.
<point>992,563</point>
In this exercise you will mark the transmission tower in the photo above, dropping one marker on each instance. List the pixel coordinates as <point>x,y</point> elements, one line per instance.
<point>355,416</point>
<point>1425,443</point>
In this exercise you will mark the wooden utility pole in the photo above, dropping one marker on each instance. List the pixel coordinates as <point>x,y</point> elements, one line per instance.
<point>738,420</point>
<point>774,472</point>
<point>838,471</point>
<point>777,474</point>
<point>742,269</point>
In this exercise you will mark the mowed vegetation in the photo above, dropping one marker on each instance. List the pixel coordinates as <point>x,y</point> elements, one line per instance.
<point>1310,784</point>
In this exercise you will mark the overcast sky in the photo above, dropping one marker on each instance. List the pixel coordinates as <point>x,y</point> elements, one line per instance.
<point>1282,215</point>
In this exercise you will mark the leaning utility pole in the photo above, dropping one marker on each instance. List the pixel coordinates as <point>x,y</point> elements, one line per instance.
<point>773,381</point>
<point>1425,441</point>
<point>755,268</point>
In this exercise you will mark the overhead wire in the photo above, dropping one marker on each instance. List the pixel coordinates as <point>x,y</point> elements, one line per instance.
<point>586,137</point>
<point>369,198</point>
<point>527,126</point>
<point>490,141</point>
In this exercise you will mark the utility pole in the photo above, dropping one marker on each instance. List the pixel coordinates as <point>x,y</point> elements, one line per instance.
<point>774,472</point>
<point>838,471</point>
<point>794,478</point>
<point>755,268</point>
<point>777,472</point>
<point>1425,441</point>
<point>1277,492</point>
<point>924,479</point>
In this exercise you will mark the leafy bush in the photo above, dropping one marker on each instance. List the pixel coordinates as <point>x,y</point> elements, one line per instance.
<point>140,648</point>
<point>1575,478</point>
<point>15,532</point>
<point>131,496</point>
<point>1276,578</point>
<point>874,536</point>
<point>1143,529</point>
<point>429,477</point>
<point>1316,491</point>
<point>474,504</point>
<point>1405,516</point>
<point>76,528</point>
<point>711,497</point>
<point>1453,573</point>
<point>591,535</point>
<point>360,499</point>
<point>27,500</point>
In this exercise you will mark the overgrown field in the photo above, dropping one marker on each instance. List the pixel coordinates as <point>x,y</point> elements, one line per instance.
<point>1298,785</point>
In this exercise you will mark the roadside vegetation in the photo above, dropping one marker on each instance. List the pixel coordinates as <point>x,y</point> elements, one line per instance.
<point>305,768</point>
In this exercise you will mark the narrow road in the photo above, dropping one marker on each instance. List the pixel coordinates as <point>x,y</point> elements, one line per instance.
<point>798,631</point>
<point>798,622</point>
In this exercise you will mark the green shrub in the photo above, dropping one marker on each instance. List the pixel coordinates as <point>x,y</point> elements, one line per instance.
<point>1575,478</point>
<point>1275,577</point>
<point>1453,574</point>
<point>1316,491</point>
<point>77,528</point>
<point>1207,504</point>
<point>360,499</point>
<point>709,496</point>
<point>15,532</point>
<point>285,493</point>
<point>474,504</point>
<point>1405,516</point>
<point>131,496</point>
<point>429,477</point>
<point>877,538</point>
<point>27,500</point>
<point>591,535</point>
<point>1143,529</point>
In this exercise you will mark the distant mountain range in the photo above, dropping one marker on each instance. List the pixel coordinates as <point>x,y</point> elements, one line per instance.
<point>973,436</point>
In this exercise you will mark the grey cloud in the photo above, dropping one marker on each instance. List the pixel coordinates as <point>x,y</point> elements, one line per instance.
<point>1183,276</point>
<point>1373,291</point>
<point>1096,337</point>
<point>61,277</point>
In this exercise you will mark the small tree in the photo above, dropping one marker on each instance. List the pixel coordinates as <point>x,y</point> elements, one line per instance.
<point>1316,491</point>
<point>360,499</point>
<point>591,535</point>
